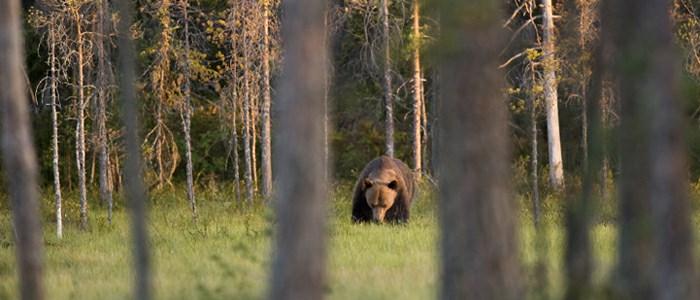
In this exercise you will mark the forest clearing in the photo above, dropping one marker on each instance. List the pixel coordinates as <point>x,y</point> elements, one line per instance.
<point>349,149</point>
<point>226,254</point>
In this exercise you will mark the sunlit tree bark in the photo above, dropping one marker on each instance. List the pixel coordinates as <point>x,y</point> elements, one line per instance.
<point>418,105</point>
<point>266,153</point>
<point>388,89</point>
<point>556,164</point>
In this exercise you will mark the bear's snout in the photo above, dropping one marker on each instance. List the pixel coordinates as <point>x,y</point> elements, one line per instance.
<point>378,214</point>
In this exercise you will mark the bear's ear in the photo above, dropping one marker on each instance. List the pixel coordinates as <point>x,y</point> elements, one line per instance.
<point>393,185</point>
<point>366,184</point>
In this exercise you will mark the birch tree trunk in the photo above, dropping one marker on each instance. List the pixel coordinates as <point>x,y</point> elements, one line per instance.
<point>247,140</point>
<point>80,123</point>
<point>236,171</point>
<point>253,118</point>
<point>556,164</point>
<point>135,189</point>
<point>103,13</point>
<point>388,89</point>
<point>656,249</point>
<point>266,153</point>
<point>58,198</point>
<point>477,213</point>
<point>298,269</point>
<point>417,93</point>
<point>187,112</point>
<point>234,97</point>
<point>18,153</point>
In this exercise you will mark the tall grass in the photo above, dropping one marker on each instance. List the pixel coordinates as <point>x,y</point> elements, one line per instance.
<point>226,254</point>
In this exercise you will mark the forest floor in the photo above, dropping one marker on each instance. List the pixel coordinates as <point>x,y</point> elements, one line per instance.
<point>226,253</point>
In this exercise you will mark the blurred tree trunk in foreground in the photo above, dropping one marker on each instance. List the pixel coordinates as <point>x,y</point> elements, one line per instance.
<point>299,256</point>
<point>580,206</point>
<point>135,189</point>
<point>478,245</point>
<point>655,248</point>
<point>18,153</point>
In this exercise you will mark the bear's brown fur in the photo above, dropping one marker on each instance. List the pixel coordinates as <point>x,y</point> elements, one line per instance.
<point>384,191</point>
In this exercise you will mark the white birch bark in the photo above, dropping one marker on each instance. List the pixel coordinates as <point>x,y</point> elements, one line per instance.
<point>388,89</point>
<point>187,113</point>
<point>80,122</point>
<point>556,164</point>
<point>58,198</point>
<point>247,140</point>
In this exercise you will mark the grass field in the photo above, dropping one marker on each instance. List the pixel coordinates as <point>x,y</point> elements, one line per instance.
<point>225,255</point>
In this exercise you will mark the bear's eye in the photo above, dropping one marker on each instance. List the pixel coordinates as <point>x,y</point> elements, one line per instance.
<point>393,185</point>
<point>367,184</point>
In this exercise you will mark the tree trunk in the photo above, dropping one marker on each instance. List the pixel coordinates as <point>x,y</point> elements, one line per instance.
<point>135,189</point>
<point>266,164</point>
<point>656,249</point>
<point>578,255</point>
<point>298,269</point>
<point>19,160</point>
<point>417,93</point>
<point>556,165</point>
<point>254,132</point>
<point>80,123</point>
<point>161,86</point>
<point>477,213</point>
<point>388,90</point>
<point>103,12</point>
<point>247,140</point>
<point>54,130</point>
<point>234,98</point>
<point>534,160</point>
<point>328,19</point>
<point>187,112</point>
<point>435,128</point>
<point>424,129</point>
<point>236,171</point>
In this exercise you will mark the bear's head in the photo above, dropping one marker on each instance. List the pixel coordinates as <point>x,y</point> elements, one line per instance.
<point>381,191</point>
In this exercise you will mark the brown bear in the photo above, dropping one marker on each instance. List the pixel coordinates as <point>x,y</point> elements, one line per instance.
<point>384,192</point>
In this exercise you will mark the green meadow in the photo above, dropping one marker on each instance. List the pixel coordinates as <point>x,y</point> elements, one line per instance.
<point>226,253</point>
